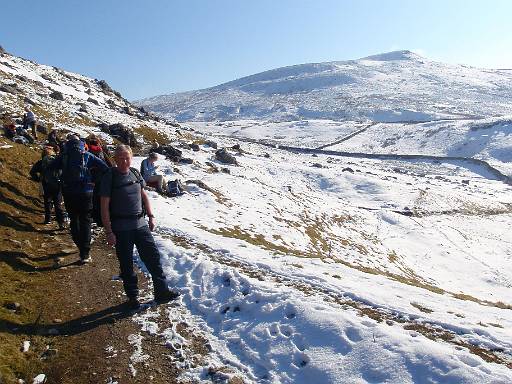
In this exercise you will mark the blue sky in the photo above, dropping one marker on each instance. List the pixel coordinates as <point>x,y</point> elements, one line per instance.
<point>152,47</point>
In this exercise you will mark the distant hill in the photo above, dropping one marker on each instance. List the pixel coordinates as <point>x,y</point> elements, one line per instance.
<point>389,87</point>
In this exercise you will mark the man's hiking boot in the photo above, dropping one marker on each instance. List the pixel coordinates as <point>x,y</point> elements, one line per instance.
<point>133,303</point>
<point>166,296</point>
<point>86,260</point>
<point>62,226</point>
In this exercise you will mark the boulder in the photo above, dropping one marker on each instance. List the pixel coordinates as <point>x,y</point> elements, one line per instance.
<point>104,85</point>
<point>47,77</point>
<point>170,152</point>
<point>9,88</point>
<point>127,110</point>
<point>41,127</point>
<point>94,101</point>
<point>57,95</point>
<point>317,165</point>
<point>186,160</point>
<point>194,147</point>
<point>347,169</point>
<point>26,100</point>
<point>211,143</point>
<point>21,78</point>
<point>123,134</point>
<point>225,157</point>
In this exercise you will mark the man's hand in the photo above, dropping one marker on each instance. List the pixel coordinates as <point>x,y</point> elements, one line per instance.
<point>151,223</point>
<point>111,239</point>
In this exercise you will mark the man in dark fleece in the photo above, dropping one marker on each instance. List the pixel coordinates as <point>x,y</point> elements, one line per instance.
<point>123,201</point>
<point>78,167</point>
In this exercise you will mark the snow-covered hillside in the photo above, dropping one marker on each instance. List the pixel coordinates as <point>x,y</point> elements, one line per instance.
<point>391,87</point>
<point>299,267</point>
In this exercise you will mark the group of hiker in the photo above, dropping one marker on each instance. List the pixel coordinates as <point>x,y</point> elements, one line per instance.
<point>21,133</point>
<point>80,172</point>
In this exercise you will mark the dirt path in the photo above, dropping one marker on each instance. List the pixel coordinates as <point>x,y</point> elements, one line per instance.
<point>72,315</point>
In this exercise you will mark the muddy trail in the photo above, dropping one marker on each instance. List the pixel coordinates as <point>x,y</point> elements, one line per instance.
<point>58,318</point>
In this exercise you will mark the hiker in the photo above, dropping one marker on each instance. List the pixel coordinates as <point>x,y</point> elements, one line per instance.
<point>54,141</point>
<point>123,204</point>
<point>148,171</point>
<point>78,167</point>
<point>49,177</point>
<point>30,121</point>
<point>96,148</point>
<point>9,127</point>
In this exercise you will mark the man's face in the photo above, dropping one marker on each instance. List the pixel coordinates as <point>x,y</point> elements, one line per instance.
<point>123,160</point>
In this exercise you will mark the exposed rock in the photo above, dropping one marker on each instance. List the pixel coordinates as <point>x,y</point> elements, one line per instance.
<point>211,143</point>
<point>194,147</point>
<point>57,95</point>
<point>104,85</point>
<point>347,169</point>
<point>123,134</point>
<point>47,77</point>
<point>127,110</point>
<point>465,182</point>
<point>2,50</point>
<point>26,100</point>
<point>83,107</point>
<point>317,165</point>
<point>225,170</point>
<point>169,152</point>
<point>12,306</point>
<point>88,91</point>
<point>237,148</point>
<point>213,167</point>
<point>94,101</point>
<point>225,157</point>
<point>9,88</point>
<point>21,78</point>
<point>186,160</point>
<point>41,127</point>
<point>266,155</point>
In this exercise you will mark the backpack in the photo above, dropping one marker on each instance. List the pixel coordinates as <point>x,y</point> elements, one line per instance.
<point>50,175</point>
<point>174,188</point>
<point>96,199</point>
<point>74,169</point>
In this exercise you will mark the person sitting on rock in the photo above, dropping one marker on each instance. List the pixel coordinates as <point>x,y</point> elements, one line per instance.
<point>30,121</point>
<point>50,180</point>
<point>148,172</point>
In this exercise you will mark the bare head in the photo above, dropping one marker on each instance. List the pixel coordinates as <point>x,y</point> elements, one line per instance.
<point>153,156</point>
<point>123,157</point>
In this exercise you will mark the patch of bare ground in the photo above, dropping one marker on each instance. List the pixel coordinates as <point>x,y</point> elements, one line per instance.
<point>73,315</point>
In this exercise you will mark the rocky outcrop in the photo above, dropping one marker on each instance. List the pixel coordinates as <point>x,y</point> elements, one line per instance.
<point>225,157</point>
<point>57,95</point>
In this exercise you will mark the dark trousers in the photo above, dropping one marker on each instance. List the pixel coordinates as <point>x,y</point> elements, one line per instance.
<point>79,207</point>
<point>52,197</point>
<point>148,252</point>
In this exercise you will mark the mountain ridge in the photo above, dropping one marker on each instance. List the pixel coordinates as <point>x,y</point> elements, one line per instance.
<point>392,86</point>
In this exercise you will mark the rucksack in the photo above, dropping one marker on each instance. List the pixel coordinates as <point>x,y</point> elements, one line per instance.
<point>96,199</point>
<point>50,175</point>
<point>174,188</point>
<point>74,169</point>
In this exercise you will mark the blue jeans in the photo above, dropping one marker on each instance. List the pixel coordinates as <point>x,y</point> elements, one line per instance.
<point>148,252</point>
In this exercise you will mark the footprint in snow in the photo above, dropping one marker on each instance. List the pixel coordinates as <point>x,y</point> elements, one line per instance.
<point>300,359</point>
<point>353,334</point>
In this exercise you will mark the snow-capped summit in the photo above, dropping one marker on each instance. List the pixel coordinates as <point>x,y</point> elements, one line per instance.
<point>394,55</point>
<point>393,86</point>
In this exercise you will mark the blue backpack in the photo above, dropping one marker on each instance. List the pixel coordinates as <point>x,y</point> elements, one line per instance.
<point>74,169</point>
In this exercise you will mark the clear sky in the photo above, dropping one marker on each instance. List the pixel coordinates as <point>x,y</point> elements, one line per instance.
<point>149,47</point>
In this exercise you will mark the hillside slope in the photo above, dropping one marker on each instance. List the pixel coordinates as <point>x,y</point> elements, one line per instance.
<point>299,267</point>
<point>395,86</point>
